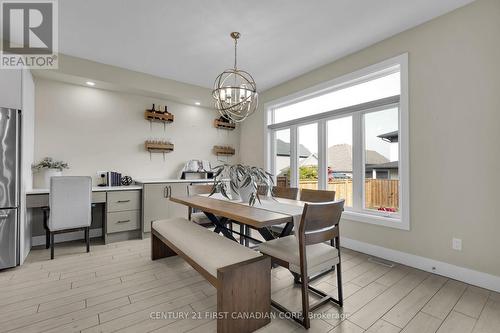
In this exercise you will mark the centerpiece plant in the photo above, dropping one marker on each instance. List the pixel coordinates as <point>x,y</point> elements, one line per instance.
<point>244,182</point>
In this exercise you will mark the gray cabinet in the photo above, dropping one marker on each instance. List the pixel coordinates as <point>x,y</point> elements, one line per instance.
<point>123,215</point>
<point>156,203</point>
<point>175,209</point>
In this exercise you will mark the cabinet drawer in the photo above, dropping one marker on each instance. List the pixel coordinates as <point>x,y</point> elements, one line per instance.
<point>37,200</point>
<point>123,200</point>
<point>98,197</point>
<point>123,221</point>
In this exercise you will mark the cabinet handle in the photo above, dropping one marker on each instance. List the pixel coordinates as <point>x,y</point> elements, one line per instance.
<point>165,192</point>
<point>4,216</point>
<point>169,192</point>
<point>123,221</point>
<point>123,201</point>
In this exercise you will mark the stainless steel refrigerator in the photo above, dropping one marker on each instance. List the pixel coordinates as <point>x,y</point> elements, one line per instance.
<point>10,120</point>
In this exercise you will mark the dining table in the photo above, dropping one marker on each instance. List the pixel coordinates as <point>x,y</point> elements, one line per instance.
<point>264,214</point>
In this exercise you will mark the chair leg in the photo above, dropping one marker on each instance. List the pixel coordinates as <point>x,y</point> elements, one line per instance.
<point>305,301</point>
<point>47,238</point>
<point>87,238</point>
<point>46,227</point>
<point>51,245</point>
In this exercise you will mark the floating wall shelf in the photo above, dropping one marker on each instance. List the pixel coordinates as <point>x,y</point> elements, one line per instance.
<point>224,125</point>
<point>165,117</point>
<point>159,147</point>
<point>224,150</point>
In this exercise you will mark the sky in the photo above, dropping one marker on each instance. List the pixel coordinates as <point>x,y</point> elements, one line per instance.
<point>340,129</point>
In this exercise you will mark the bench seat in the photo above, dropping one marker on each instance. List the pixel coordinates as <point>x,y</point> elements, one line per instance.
<point>210,250</point>
<point>241,276</point>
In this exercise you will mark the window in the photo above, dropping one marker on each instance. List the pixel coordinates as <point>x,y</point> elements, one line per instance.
<point>282,158</point>
<point>348,135</point>
<point>339,158</point>
<point>308,156</point>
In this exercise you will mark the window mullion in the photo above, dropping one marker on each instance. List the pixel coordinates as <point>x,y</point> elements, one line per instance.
<point>322,155</point>
<point>272,154</point>
<point>357,161</point>
<point>294,157</point>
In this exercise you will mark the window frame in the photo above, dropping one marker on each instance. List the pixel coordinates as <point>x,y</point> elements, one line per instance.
<point>357,213</point>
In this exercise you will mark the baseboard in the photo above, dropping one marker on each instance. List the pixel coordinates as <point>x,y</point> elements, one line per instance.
<point>466,275</point>
<point>59,238</point>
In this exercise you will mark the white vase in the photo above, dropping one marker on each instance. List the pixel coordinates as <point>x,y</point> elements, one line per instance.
<point>44,176</point>
<point>233,194</point>
<point>245,193</point>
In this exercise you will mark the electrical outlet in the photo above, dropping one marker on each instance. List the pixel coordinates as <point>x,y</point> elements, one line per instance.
<point>456,244</point>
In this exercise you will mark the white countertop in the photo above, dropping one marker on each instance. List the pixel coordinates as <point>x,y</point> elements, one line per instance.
<point>94,189</point>
<point>160,181</point>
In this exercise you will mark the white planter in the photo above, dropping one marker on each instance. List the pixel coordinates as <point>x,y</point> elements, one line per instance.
<point>234,195</point>
<point>42,179</point>
<point>245,193</point>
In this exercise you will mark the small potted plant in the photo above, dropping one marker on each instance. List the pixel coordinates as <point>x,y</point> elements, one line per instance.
<point>243,182</point>
<point>48,168</point>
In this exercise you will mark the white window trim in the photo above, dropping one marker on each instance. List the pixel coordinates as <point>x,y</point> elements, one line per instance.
<point>365,74</point>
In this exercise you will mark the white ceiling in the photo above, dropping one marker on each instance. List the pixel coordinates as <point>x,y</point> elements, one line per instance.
<point>188,40</point>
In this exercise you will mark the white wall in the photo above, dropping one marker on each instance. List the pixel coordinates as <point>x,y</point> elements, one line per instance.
<point>28,146</point>
<point>10,91</point>
<point>454,82</point>
<point>95,130</point>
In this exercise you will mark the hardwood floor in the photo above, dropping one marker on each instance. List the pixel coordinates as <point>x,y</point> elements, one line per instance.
<point>117,288</point>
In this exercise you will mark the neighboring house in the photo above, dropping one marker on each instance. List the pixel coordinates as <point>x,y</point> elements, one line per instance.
<point>339,161</point>
<point>388,170</point>
<point>283,155</point>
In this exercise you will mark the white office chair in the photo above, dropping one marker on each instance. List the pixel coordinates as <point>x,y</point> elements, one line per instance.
<point>70,201</point>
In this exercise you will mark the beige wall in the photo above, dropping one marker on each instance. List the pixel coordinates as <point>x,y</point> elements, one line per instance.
<point>454,81</point>
<point>96,129</point>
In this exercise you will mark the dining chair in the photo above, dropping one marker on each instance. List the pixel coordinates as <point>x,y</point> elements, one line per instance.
<point>263,190</point>
<point>199,217</point>
<point>316,195</point>
<point>70,201</point>
<point>309,255</point>
<point>285,192</point>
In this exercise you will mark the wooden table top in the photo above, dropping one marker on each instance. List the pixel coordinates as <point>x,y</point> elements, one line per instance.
<point>252,216</point>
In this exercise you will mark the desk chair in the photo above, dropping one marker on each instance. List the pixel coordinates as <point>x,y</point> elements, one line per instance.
<point>70,201</point>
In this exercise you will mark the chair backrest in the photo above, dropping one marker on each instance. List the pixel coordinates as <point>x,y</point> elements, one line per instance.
<point>319,222</point>
<point>285,192</point>
<point>70,201</point>
<point>199,189</point>
<point>316,195</point>
<point>262,190</point>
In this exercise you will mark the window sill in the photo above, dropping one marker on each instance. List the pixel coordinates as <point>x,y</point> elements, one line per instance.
<point>386,221</point>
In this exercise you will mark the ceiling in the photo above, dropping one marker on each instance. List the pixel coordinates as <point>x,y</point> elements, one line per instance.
<point>188,40</point>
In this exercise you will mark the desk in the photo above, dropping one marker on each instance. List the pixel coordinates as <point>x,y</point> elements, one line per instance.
<point>121,218</point>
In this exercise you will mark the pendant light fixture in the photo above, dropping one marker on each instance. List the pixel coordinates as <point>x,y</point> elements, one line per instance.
<point>235,91</point>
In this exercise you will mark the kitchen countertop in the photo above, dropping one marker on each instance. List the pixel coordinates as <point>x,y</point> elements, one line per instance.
<point>94,189</point>
<point>160,181</point>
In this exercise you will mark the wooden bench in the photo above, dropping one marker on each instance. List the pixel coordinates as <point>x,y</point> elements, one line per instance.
<point>241,276</point>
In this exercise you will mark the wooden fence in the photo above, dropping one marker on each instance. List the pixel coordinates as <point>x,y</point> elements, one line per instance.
<point>378,192</point>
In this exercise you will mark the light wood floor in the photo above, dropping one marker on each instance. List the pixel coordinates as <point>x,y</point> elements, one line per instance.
<point>116,288</point>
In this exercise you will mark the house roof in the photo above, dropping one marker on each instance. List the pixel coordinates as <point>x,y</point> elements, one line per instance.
<point>283,149</point>
<point>340,158</point>
<point>390,137</point>
<point>388,165</point>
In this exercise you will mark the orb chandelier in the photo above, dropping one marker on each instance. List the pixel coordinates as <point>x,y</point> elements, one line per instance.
<point>235,91</point>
